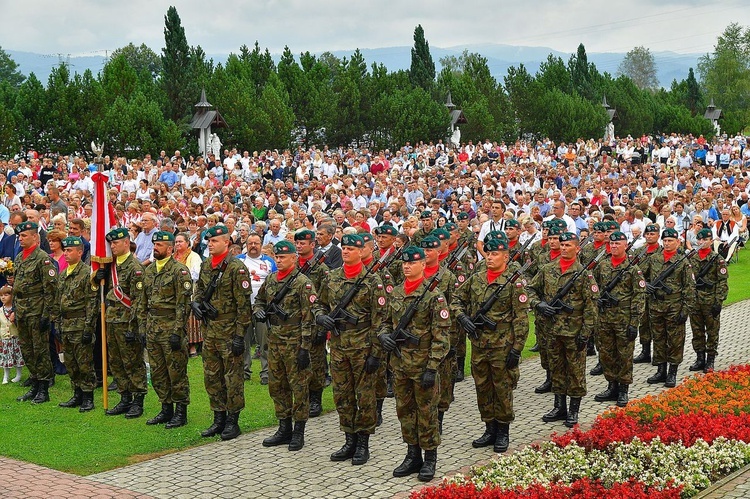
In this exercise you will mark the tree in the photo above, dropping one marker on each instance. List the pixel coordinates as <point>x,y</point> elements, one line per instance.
<point>581,73</point>
<point>9,70</point>
<point>639,66</point>
<point>176,63</point>
<point>422,70</point>
<point>142,59</point>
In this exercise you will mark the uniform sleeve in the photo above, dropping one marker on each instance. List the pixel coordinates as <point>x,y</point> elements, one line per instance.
<point>242,293</point>
<point>377,315</point>
<point>323,296</point>
<point>49,284</point>
<point>440,329</point>
<point>136,292</point>
<point>688,286</point>
<point>92,304</point>
<point>535,289</point>
<point>520,322</point>
<point>307,299</point>
<point>590,309</point>
<point>459,303</point>
<point>183,294</point>
<point>638,301</point>
<point>722,288</point>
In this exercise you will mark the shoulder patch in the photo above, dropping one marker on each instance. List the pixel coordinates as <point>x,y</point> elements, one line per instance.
<point>519,284</point>
<point>389,289</point>
<point>461,278</point>
<point>523,298</point>
<point>381,301</point>
<point>308,286</point>
<point>47,262</point>
<point>313,298</point>
<point>440,299</point>
<point>183,272</point>
<point>723,271</point>
<point>457,284</point>
<point>188,284</point>
<point>245,284</point>
<point>242,271</point>
<point>138,273</point>
<point>386,276</point>
<point>444,314</point>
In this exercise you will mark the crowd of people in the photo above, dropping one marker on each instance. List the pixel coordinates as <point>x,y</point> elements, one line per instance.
<point>302,252</point>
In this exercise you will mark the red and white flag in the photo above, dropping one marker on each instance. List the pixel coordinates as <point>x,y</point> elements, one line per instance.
<point>103,219</point>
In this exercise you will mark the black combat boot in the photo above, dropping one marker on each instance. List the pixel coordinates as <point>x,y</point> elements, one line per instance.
<point>660,376</point>
<point>546,386</point>
<point>590,347</point>
<point>298,436</point>
<point>609,394</point>
<point>559,412</point>
<point>164,416</point>
<point>572,419</point>
<point>598,370</point>
<point>31,393</point>
<point>488,437</point>
<point>136,407</point>
<point>316,404</point>
<point>123,406</point>
<point>622,395</point>
<point>412,462</point>
<point>380,412</point>
<point>42,395</point>
<point>460,361</point>
<point>710,358</point>
<point>179,418</point>
<point>671,380</point>
<point>231,428</point>
<point>74,401</point>
<point>362,452</point>
<point>87,402</point>
<point>535,348</point>
<point>282,436</point>
<point>440,422</point>
<point>347,450</point>
<point>645,356</point>
<point>503,437</point>
<point>220,420</point>
<point>427,472</point>
<point>700,362</point>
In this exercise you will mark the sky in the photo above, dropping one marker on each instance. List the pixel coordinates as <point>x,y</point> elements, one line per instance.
<point>95,27</point>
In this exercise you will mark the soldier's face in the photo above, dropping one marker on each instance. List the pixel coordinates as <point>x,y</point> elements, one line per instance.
<point>431,255</point>
<point>351,255</point>
<point>367,250</point>
<point>568,249</point>
<point>285,262</point>
<point>120,247</point>
<point>670,243</point>
<point>599,235</point>
<point>28,238</point>
<point>704,243</point>
<point>651,237</point>
<point>413,270</point>
<point>512,233</point>
<point>304,248</point>
<point>385,241</point>
<point>73,254</point>
<point>618,248</point>
<point>218,245</point>
<point>162,249</point>
<point>497,260</point>
<point>554,242</point>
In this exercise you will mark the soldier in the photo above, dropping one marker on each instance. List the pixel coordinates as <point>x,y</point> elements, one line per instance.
<point>598,242</point>
<point>304,240</point>
<point>416,368</point>
<point>467,262</point>
<point>609,227</point>
<point>355,351</point>
<point>222,300</point>
<point>392,276</point>
<point>669,312</point>
<point>34,304</point>
<point>166,308</point>
<point>78,306</point>
<point>710,292</point>
<point>513,230</point>
<point>465,233</point>
<point>124,281</point>
<point>289,342</point>
<point>618,320</point>
<point>569,331</point>
<point>651,235</point>
<point>427,225</point>
<point>495,353</point>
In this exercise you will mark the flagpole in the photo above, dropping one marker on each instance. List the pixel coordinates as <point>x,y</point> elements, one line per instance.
<point>105,389</point>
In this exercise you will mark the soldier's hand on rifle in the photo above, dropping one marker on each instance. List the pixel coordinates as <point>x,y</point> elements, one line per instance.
<point>197,310</point>
<point>303,359</point>
<point>581,342</point>
<point>44,323</point>
<point>175,342</point>
<point>601,302</point>
<point>319,338</point>
<point>632,333</point>
<point>260,316</point>
<point>326,322</point>
<point>650,289</point>
<point>129,336</point>
<point>87,338</point>
<point>546,309</point>
<point>388,343</point>
<point>428,378</point>
<point>682,317</point>
<point>238,345</point>
<point>371,364</point>
<point>716,309</point>
<point>468,325</point>
<point>514,357</point>
<point>101,274</point>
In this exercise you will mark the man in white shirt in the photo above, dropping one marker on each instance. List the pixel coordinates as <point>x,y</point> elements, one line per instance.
<point>558,211</point>
<point>496,222</point>
<point>190,179</point>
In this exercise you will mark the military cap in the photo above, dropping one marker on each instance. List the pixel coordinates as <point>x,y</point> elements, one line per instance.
<point>425,214</point>
<point>554,231</point>
<point>353,240</point>
<point>284,248</point>
<point>568,236</point>
<point>612,225</point>
<point>117,234</point>
<point>495,234</point>
<point>651,228</point>
<point>72,241</point>
<point>546,224</point>
<point>704,234</point>
<point>559,223</point>
<point>366,236</point>
<point>512,223</point>
<point>216,230</point>
<point>430,242</point>
<point>496,245</point>
<point>304,235</point>
<point>599,227</point>
<point>24,226</point>
<point>618,236</point>
<point>463,216</point>
<point>412,254</point>
<point>441,234</point>
<point>386,229</point>
<point>669,233</point>
<point>450,227</point>
<point>162,235</point>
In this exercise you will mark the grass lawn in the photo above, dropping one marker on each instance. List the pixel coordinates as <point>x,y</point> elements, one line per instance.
<point>739,278</point>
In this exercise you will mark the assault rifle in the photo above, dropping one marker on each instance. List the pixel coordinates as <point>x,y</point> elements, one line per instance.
<point>557,301</point>
<point>658,284</point>
<point>516,254</point>
<point>400,333</point>
<point>457,255</point>
<point>700,278</point>
<point>203,310</point>
<point>606,299</point>
<point>586,241</point>
<point>480,319</point>
<point>274,308</point>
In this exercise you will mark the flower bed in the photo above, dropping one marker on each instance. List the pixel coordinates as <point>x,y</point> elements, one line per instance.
<point>669,445</point>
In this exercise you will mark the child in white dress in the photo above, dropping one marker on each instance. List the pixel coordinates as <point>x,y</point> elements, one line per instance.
<point>10,350</point>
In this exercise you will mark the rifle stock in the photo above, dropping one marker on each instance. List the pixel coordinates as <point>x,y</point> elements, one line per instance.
<point>659,283</point>
<point>480,319</point>
<point>557,300</point>
<point>274,308</point>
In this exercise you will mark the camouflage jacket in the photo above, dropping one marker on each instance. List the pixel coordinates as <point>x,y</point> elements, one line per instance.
<point>78,300</point>
<point>317,276</point>
<point>231,298</point>
<point>130,279</point>
<point>298,302</point>
<point>589,252</point>
<point>35,285</point>
<point>713,287</point>
<point>630,292</point>
<point>166,305</point>
<point>681,282</point>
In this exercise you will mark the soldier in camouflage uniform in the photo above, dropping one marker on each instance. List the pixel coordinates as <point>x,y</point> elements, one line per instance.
<point>34,304</point>
<point>569,331</point>
<point>304,240</point>
<point>166,308</point>
<point>124,284</point>
<point>469,262</point>
<point>495,353</point>
<point>598,242</point>
<point>427,225</point>
<point>77,302</point>
<point>223,335</point>
<point>416,369</point>
<point>289,342</point>
<point>356,351</point>
<point>651,235</point>
<point>392,275</point>
<point>710,292</point>
<point>618,321</point>
<point>669,312</point>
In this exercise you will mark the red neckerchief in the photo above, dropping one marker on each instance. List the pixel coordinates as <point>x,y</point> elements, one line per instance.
<point>384,251</point>
<point>27,252</point>
<point>443,256</point>
<point>553,254</point>
<point>410,286</point>
<point>668,255</point>
<point>609,250</point>
<point>599,244</point>
<point>351,271</point>
<point>543,243</point>
<point>367,262</point>
<point>302,261</point>
<point>491,276</point>
<point>451,248</point>
<point>566,264</point>
<point>617,261</point>
<point>431,271</point>
<point>281,275</point>
<point>703,253</point>
<point>512,244</point>
<point>652,247</point>
<point>216,260</point>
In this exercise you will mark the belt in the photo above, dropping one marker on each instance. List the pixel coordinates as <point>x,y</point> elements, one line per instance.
<point>74,314</point>
<point>352,327</point>
<point>163,312</point>
<point>276,321</point>
<point>226,317</point>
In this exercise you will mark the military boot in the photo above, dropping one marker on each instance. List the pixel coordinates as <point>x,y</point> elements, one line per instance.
<point>220,420</point>
<point>347,450</point>
<point>282,436</point>
<point>441,414</point>
<point>488,437</point>
<point>427,472</point>
<point>546,386</point>
<point>164,416</point>
<point>590,347</point>
<point>700,362</point>
<point>179,418</point>
<point>42,395</point>
<point>609,394</point>
<point>622,395</point>
<point>123,406</point>
<point>316,405</point>
<point>412,462</point>
<point>231,428</point>
<point>598,370</point>
<point>559,412</point>
<point>503,437</point>
<point>362,452</point>
<point>671,380</point>
<point>31,393</point>
<point>136,407</point>
<point>298,436</point>
<point>460,361</point>
<point>87,402</point>
<point>535,348</point>
<point>660,376</point>
<point>710,358</point>
<point>389,393</point>
<point>645,356</point>
<point>572,419</point>
<point>74,401</point>
<point>380,412</point>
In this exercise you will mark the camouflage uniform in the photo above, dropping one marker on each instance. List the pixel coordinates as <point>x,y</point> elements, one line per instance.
<point>166,307</point>
<point>712,291</point>
<point>318,361</point>
<point>447,287</point>
<point>644,330</point>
